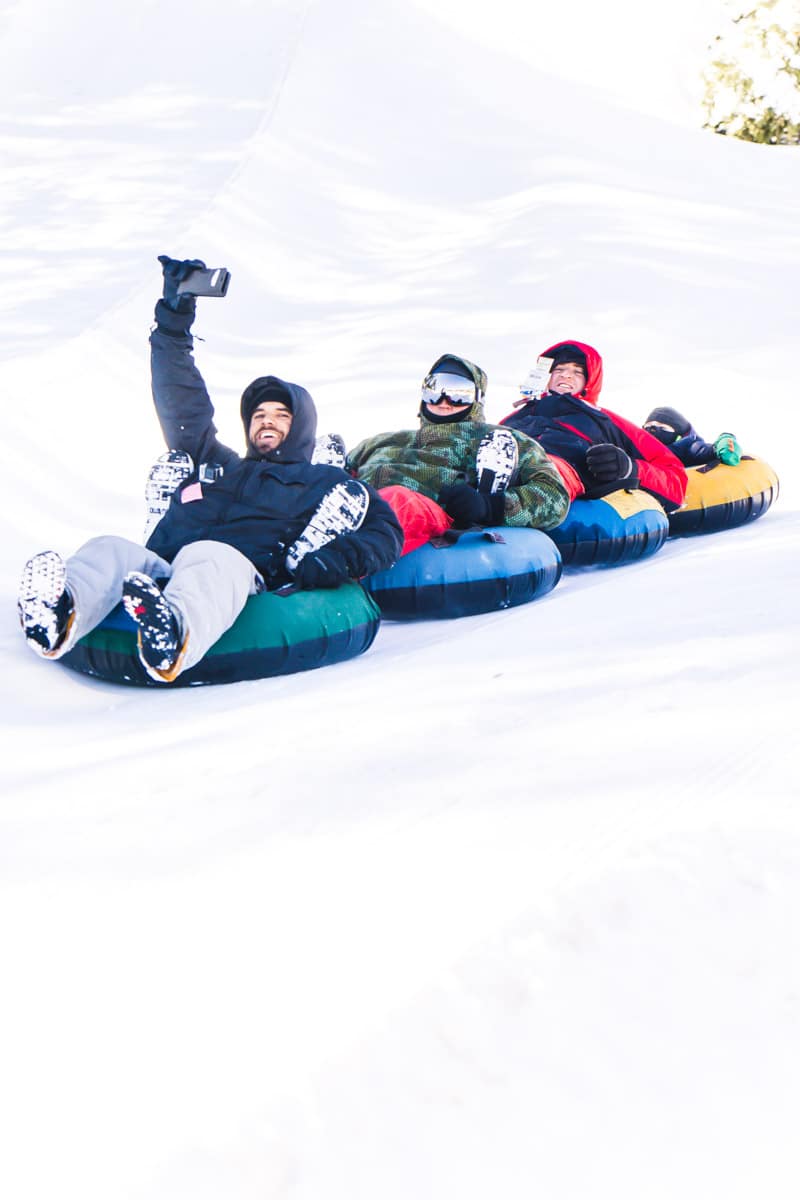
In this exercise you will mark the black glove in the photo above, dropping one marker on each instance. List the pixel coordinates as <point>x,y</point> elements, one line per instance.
<point>608,464</point>
<point>175,271</point>
<point>324,569</point>
<point>468,507</point>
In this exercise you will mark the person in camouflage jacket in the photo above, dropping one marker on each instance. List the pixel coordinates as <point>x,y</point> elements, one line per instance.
<point>428,475</point>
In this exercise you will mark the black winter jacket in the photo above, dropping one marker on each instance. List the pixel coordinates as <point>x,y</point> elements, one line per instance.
<point>567,426</point>
<point>258,504</point>
<point>693,451</point>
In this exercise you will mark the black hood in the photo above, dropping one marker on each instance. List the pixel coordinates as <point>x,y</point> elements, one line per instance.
<point>678,426</point>
<point>298,445</point>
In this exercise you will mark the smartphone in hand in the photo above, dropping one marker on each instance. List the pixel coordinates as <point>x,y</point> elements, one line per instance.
<point>212,281</point>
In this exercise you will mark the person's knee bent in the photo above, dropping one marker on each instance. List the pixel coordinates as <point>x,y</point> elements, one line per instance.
<point>217,560</point>
<point>103,545</point>
<point>210,552</point>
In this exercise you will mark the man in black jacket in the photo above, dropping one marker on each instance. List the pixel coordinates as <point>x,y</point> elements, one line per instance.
<point>236,526</point>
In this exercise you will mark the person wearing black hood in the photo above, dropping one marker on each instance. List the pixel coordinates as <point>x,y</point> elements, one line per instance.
<point>235,527</point>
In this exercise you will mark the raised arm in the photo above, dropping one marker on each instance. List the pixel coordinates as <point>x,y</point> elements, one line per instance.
<point>183,405</point>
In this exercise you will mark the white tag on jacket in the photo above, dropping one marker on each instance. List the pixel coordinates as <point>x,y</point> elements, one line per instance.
<point>536,381</point>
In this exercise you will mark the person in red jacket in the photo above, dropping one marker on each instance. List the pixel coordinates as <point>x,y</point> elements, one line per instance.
<point>596,451</point>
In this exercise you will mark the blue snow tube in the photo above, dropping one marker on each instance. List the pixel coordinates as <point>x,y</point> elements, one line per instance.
<point>273,635</point>
<point>481,571</point>
<point>623,527</point>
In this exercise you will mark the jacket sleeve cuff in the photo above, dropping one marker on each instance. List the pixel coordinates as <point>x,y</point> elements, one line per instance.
<point>172,322</point>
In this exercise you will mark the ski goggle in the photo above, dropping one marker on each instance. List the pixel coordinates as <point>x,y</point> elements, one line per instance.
<point>442,388</point>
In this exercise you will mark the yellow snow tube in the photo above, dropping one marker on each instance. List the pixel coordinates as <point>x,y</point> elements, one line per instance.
<point>722,497</point>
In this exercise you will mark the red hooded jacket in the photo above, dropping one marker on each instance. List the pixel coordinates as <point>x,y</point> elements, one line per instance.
<point>567,425</point>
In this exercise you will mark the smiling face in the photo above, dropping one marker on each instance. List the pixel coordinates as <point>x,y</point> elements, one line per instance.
<point>567,379</point>
<point>269,426</point>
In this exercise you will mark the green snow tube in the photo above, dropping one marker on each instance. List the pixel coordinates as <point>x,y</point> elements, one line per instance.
<point>273,635</point>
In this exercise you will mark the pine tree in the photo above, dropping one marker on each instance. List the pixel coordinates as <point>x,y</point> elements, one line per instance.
<point>753,81</point>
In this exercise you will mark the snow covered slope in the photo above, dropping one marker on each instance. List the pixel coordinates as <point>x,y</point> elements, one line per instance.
<point>508,905</point>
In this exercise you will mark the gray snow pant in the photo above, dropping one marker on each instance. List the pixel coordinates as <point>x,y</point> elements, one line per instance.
<point>208,587</point>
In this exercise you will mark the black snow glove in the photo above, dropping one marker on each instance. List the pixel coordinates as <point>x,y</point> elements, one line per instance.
<point>324,569</point>
<point>468,507</point>
<point>609,465</point>
<point>175,271</point>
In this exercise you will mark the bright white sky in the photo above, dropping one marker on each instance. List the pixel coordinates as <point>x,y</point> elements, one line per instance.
<point>648,55</point>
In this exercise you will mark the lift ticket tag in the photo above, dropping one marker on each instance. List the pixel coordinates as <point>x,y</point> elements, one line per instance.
<point>536,380</point>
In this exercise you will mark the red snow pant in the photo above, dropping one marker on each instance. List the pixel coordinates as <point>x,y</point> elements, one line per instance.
<point>420,517</point>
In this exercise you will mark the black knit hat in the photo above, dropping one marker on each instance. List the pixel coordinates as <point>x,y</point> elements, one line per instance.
<point>677,425</point>
<point>453,364</point>
<point>267,387</point>
<point>569,353</point>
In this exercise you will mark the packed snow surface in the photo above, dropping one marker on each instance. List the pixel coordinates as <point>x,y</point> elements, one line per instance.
<point>509,906</point>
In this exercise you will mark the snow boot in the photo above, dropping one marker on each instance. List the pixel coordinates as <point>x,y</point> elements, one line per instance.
<point>496,461</point>
<point>161,644</point>
<point>329,449</point>
<point>45,607</point>
<point>341,510</point>
<point>166,474</point>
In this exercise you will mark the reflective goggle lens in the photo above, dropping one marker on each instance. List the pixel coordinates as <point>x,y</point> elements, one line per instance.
<point>440,388</point>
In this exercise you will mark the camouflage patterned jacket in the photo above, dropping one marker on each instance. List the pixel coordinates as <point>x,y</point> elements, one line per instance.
<point>427,459</point>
